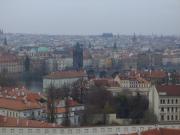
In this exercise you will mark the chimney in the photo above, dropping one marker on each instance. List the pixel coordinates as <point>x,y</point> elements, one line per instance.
<point>17,122</point>
<point>27,123</point>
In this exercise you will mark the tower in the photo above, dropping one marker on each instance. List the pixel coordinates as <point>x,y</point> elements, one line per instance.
<point>1,32</point>
<point>134,39</point>
<point>5,41</point>
<point>78,57</point>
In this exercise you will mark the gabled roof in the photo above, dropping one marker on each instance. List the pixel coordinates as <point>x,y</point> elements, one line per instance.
<point>169,90</point>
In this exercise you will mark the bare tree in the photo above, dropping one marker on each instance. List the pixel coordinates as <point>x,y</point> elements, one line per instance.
<point>51,107</point>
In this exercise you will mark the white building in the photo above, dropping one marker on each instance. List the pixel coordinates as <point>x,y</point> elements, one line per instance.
<point>132,82</point>
<point>61,78</point>
<point>73,112</point>
<point>17,108</point>
<point>63,63</point>
<point>165,103</point>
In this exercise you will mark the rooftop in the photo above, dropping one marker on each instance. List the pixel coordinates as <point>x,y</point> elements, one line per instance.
<point>66,74</point>
<point>169,90</point>
<point>14,122</point>
<point>154,74</point>
<point>15,104</point>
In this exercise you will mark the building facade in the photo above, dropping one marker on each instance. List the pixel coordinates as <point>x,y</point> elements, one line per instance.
<point>78,57</point>
<point>10,63</point>
<point>165,103</point>
<point>61,78</point>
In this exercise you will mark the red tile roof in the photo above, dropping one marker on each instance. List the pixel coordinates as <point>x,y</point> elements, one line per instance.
<point>109,82</point>
<point>14,122</point>
<point>170,131</point>
<point>151,132</point>
<point>18,105</point>
<point>8,58</point>
<point>170,90</point>
<point>66,74</point>
<point>154,74</point>
<point>21,93</point>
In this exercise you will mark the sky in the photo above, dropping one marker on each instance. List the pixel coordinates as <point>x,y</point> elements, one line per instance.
<point>86,17</point>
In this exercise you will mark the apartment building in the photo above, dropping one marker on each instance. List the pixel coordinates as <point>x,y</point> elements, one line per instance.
<point>10,63</point>
<point>165,103</point>
<point>12,107</point>
<point>132,82</point>
<point>20,103</point>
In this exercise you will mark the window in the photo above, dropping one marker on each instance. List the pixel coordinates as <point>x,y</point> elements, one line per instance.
<point>134,129</point>
<point>168,109</point>
<point>168,117</point>
<point>29,130</point>
<point>20,130</point>
<point>12,130</point>
<point>172,101</point>
<point>109,129</point>
<point>176,109</point>
<point>176,117</point>
<point>162,109</point>
<point>70,131</point>
<point>168,101</point>
<point>62,131</point>
<point>172,109</point>
<point>172,117</point>
<point>78,131</point>
<point>37,130</point>
<point>162,117</point>
<point>46,131</point>
<point>86,130</point>
<point>39,112</point>
<point>163,101</point>
<point>176,101</point>
<point>102,130</point>
<point>94,130</point>
<point>54,131</point>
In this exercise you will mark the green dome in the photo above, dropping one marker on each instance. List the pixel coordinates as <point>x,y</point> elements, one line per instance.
<point>43,49</point>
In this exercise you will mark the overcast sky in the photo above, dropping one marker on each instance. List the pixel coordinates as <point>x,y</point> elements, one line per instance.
<point>90,16</point>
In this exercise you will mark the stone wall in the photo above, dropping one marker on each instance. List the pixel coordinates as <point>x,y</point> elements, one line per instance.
<point>104,130</point>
